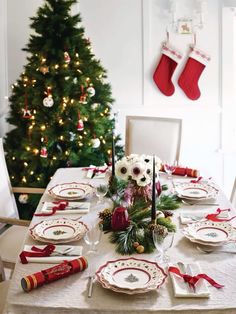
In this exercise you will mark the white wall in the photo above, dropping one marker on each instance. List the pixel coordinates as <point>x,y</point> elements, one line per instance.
<point>127,37</point>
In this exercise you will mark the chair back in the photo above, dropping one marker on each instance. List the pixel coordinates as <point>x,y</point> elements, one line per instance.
<point>153,135</point>
<point>233,195</point>
<point>8,206</point>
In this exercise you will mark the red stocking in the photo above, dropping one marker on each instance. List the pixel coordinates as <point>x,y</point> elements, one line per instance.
<point>165,69</point>
<point>192,71</point>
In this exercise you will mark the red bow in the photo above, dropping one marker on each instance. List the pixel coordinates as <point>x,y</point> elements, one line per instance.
<point>96,169</point>
<point>213,217</point>
<point>192,280</point>
<point>61,205</point>
<point>46,251</point>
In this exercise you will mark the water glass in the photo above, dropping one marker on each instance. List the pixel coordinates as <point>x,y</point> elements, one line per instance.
<point>101,191</point>
<point>93,236</point>
<point>170,167</point>
<point>162,245</point>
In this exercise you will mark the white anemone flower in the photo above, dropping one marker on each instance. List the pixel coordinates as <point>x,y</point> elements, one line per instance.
<point>137,169</point>
<point>144,180</point>
<point>158,163</point>
<point>122,169</point>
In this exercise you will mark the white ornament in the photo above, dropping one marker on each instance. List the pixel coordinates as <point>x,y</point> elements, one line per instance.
<point>95,105</point>
<point>75,80</point>
<point>72,136</point>
<point>159,214</point>
<point>67,78</point>
<point>48,102</point>
<point>91,91</point>
<point>95,142</point>
<point>23,198</point>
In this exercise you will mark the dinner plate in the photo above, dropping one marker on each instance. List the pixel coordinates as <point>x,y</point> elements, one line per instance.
<point>196,191</point>
<point>210,232</point>
<point>71,191</point>
<point>59,230</point>
<point>131,275</point>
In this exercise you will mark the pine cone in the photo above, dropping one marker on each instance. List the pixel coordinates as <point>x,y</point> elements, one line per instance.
<point>162,230</point>
<point>105,214</point>
<point>168,213</point>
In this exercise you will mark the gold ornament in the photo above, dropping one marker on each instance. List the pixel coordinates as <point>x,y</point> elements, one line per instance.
<point>140,249</point>
<point>44,69</point>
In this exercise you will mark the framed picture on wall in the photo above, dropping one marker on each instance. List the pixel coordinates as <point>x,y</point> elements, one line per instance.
<point>185,26</point>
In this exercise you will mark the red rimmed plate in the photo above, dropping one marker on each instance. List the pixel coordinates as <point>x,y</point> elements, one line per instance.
<point>71,191</point>
<point>59,230</point>
<point>131,275</point>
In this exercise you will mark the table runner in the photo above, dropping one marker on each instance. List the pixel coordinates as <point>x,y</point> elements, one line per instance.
<point>69,295</point>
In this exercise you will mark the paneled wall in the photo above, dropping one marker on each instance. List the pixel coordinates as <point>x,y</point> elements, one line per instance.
<point>127,37</point>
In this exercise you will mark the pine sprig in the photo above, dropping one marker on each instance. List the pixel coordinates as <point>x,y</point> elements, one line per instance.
<point>168,202</point>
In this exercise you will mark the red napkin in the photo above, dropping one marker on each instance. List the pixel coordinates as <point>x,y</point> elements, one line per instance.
<point>48,275</point>
<point>192,280</point>
<point>184,171</point>
<point>59,205</point>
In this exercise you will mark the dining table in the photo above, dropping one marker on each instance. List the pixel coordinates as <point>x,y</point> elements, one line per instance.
<point>70,295</point>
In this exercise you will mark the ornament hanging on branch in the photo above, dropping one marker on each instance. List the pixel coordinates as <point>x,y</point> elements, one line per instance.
<point>83,97</point>
<point>95,106</point>
<point>72,136</point>
<point>66,57</point>
<point>44,152</point>
<point>44,69</point>
<point>48,101</point>
<point>23,198</point>
<point>80,125</point>
<point>91,91</point>
<point>26,111</point>
<point>95,142</point>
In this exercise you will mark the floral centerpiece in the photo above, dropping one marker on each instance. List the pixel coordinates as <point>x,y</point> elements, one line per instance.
<point>137,171</point>
<point>131,221</point>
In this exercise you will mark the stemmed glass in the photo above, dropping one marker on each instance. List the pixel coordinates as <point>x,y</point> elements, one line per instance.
<point>93,236</point>
<point>101,191</point>
<point>162,244</point>
<point>170,168</point>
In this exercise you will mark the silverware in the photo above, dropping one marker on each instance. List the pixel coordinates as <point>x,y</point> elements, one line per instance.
<point>184,270</point>
<point>90,286</point>
<point>64,252</point>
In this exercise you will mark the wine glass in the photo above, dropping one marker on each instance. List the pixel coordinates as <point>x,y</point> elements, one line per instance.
<point>101,191</point>
<point>93,236</point>
<point>170,167</point>
<point>162,244</point>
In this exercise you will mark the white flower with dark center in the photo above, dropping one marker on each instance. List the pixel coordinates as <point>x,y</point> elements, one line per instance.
<point>145,180</point>
<point>137,170</point>
<point>122,169</point>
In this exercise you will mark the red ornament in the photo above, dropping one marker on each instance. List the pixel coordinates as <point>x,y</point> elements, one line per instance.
<point>80,125</point>
<point>27,114</point>
<point>83,97</point>
<point>44,152</point>
<point>120,219</point>
<point>66,57</point>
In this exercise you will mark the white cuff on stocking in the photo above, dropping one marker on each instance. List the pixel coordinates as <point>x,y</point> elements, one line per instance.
<point>171,53</point>
<point>199,55</point>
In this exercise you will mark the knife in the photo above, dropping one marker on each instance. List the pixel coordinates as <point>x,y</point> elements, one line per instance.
<point>184,269</point>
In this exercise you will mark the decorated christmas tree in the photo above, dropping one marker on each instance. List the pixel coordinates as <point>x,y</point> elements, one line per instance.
<point>61,103</point>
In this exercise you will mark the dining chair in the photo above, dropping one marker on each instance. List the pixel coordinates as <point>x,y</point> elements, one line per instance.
<point>153,135</point>
<point>12,229</point>
<point>4,285</point>
<point>233,194</point>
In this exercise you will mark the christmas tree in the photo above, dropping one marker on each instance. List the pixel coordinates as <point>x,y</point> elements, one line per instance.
<point>61,104</point>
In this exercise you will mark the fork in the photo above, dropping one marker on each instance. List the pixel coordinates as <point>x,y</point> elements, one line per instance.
<point>65,252</point>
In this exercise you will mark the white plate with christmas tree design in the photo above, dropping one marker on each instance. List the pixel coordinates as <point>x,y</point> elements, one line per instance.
<point>210,232</point>
<point>58,230</point>
<point>196,191</point>
<point>71,191</point>
<point>131,274</point>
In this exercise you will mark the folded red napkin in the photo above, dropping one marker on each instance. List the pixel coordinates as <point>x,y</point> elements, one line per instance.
<point>59,205</point>
<point>48,275</point>
<point>192,280</point>
<point>184,171</point>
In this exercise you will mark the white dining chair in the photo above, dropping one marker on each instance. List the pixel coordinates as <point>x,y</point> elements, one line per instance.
<point>153,135</point>
<point>233,194</point>
<point>4,286</point>
<point>12,229</point>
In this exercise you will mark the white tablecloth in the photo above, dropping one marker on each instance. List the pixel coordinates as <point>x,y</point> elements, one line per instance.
<point>69,295</point>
